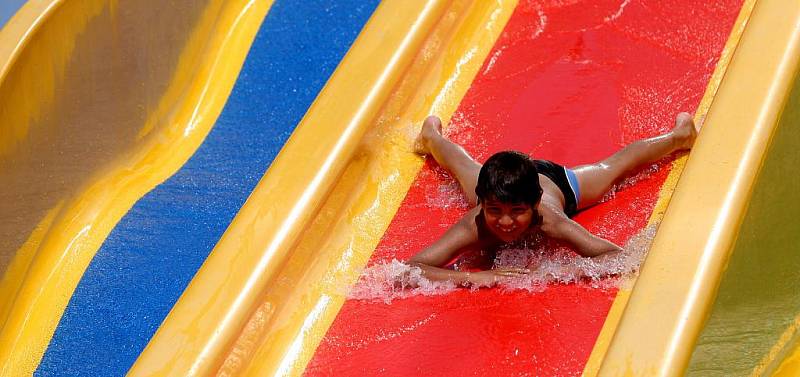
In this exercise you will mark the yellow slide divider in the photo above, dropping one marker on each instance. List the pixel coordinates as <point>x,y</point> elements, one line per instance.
<point>677,285</point>
<point>40,52</point>
<point>667,189</point>
<point>266,295</point>
<point>790,366</point>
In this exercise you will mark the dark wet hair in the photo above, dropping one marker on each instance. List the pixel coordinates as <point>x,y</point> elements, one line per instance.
<point>509,177</point>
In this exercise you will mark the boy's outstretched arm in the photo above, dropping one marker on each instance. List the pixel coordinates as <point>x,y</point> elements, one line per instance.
<point>561,227</point>
<point>447,247</point>
<point>460,235</point>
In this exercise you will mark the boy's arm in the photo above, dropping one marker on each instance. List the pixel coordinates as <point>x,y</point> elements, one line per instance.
<point>561,227</point>
<point>447,247</point>
<point>462,234</point>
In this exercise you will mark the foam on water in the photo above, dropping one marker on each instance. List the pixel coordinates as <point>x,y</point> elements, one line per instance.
<point>446,194</point>
<point>397,280</point>
<point>394,280</point>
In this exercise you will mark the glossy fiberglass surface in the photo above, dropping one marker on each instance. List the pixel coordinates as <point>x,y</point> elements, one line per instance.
<point>8,8</point>
<point>149,258</point>
<point>566,81</point>
<point>104,87</point>
<point>757,310</point>
<point>570,81</point>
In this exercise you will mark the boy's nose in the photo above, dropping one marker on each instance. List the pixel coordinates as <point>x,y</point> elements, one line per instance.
<point>506,220</point>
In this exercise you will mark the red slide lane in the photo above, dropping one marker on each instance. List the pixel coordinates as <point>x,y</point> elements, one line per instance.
<point>570,81</point>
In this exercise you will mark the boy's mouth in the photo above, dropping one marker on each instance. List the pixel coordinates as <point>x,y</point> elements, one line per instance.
<point>507,234</point>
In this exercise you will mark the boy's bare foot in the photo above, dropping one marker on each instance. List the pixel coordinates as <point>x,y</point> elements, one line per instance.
<point>685,132</point>
<point>431,128</point>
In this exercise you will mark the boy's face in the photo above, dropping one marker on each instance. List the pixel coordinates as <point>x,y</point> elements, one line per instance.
<point>507,221</point>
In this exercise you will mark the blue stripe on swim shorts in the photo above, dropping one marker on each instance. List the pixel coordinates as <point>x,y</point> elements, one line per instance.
<point>573,183</point>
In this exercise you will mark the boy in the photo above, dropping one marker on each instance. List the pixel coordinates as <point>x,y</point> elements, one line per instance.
<point>514,197</point>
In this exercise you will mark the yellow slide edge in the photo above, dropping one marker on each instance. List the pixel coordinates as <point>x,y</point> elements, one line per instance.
<point>677,284</point>
<point>623,295</point>
<point>19,28</point>
<point>312,286</point>
<point>790,365</point>
<point>71,233</point>
<point>271,287</point>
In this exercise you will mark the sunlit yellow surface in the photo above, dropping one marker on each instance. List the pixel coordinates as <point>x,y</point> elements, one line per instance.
<point>755,318</point>
<point>48,51</point>
<point>264,298</point>
<point>621,300</point>
<point>790,367</point>
<point>678,281</point>
<point>781,355</point>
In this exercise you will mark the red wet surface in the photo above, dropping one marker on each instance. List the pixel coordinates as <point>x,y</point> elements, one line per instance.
<point>570,81</point>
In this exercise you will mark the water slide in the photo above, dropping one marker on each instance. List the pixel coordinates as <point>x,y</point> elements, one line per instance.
<point>196,187</point>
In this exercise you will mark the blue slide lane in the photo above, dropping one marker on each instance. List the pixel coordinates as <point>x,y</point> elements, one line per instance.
<point>8,8</point>
<point>155,250</point>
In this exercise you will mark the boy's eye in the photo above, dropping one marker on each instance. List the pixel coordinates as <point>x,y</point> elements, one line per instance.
<point>493,210</point>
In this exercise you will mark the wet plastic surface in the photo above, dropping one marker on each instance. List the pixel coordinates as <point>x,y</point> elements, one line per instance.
<point>8,8</point>
<point>757,310</point>
<point>64,144</point>
<point>154,251</point>
<point>570,81</point>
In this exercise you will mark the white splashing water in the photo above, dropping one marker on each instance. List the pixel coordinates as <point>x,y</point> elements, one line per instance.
<point>642,175</point>
<point>618,13</point>
<point>447,194</point>
<point>397,280</point>
<point>394,280</point>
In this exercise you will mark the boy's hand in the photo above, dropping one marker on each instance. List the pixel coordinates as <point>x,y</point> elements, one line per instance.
<point>490,278</point>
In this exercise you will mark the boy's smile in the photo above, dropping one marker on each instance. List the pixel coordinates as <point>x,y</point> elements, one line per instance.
<point>507,221</point>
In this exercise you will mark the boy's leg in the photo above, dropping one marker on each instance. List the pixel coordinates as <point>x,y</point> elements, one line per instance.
<point>595,180</point>
<point>449,155</point>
